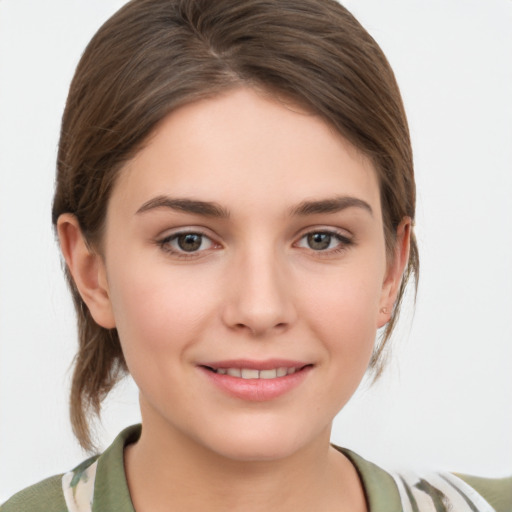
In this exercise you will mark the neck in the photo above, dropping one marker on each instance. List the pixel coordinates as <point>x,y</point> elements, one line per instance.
<point>166,469</point>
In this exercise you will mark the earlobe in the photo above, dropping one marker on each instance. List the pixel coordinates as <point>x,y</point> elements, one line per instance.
<point>87,269</point>
<point>394,273</point>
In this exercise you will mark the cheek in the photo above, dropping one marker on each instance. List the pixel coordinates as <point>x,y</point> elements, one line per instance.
<point>344,313</point>
<point>158,310</point>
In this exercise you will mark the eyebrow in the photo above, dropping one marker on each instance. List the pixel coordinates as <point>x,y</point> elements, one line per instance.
<point>212,209</point>
<point>206,208</point>
<point>333,205</point>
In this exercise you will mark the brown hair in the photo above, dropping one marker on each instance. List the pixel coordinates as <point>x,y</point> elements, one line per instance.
<point>155,55</point>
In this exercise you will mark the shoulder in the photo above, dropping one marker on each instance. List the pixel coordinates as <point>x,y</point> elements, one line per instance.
<point>99,479</point>
<point>497,491</point>
<point>46,496</point>
<point>424,491</point>
<point>59,493</point>
<point>447,491</point>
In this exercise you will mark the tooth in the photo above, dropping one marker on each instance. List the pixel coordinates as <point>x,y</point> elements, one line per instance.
<point>281,372</point>
<point>249,373</point>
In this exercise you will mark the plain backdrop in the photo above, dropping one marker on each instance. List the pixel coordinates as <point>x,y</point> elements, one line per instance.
<point>446,397</point>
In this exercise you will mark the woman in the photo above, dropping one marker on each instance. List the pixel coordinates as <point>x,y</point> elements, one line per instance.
<point>235,204</point>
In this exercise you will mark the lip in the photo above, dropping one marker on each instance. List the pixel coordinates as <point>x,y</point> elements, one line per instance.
<point>256,390</point>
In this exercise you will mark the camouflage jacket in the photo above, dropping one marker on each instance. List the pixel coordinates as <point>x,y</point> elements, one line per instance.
<point>99,485</point>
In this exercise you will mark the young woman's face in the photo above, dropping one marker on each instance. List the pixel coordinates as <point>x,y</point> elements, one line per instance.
<point>246,273</point>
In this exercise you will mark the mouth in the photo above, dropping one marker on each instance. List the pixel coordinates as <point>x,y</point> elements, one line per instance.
<point>256,381</point>
<point>255,373</point>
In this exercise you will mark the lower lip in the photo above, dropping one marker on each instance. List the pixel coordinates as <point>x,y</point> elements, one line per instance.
<point>257,390</point>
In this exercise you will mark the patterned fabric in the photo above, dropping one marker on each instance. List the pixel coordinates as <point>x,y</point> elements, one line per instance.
<point>78,487</point>
<point>438,492</point>
<point>99,485</point>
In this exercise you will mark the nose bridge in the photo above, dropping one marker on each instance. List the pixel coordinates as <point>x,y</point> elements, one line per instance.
<point>260,300</point>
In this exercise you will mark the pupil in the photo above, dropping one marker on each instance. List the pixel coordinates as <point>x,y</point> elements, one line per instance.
<point>319,241</point>
<point>190,242</point>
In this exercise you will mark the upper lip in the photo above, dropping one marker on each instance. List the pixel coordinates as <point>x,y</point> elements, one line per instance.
<point>267,364</point>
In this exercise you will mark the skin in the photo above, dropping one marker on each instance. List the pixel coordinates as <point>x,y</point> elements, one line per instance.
<point>256,288</point>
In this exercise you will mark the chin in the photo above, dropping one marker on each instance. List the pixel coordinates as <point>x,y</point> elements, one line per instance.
<point>256,450</point>
<point>261,442</point>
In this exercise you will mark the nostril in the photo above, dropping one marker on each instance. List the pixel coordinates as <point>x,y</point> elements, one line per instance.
<point>281,326</point>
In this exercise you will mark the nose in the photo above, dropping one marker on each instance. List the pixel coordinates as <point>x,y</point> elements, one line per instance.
<point>259,298</point>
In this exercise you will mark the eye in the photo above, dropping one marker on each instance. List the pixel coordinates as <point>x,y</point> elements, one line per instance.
<point>189,242</point>
<point>324,241</point>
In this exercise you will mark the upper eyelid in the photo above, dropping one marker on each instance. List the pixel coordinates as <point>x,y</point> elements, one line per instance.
<point>344,233</point>
<point>344,238</point>
<point>173,232</point>
<point>200,230</point>
<point>338,236</point>
<point>165,243</point>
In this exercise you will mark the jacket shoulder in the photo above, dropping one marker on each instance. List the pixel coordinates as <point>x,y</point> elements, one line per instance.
<point>497,491</point>
<point>45,496</point>
<point>450,491</point>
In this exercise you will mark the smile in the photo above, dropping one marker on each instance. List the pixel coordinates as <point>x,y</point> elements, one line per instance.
<point>256,381</point>
<point>252,373</point>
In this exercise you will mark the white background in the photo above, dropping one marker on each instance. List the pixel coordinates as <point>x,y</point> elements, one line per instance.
<point>446,399</point>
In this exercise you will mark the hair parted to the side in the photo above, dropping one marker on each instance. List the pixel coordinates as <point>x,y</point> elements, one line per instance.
<point>153,56</point>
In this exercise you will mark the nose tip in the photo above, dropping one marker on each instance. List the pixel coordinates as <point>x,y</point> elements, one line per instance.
<point>259,301</point>
<point>259,323</point>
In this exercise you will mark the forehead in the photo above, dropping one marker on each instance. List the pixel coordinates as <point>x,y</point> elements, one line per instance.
<point>246,148</point>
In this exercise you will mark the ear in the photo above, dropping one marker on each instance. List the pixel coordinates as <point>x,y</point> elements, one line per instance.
<point>87,269</point>
<point>394,272</point>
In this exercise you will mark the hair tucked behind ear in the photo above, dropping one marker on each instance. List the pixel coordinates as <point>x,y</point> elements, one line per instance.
<point>155,55</point>
<point>98,365</point>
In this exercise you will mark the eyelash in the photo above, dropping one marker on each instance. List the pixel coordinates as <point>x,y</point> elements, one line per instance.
<point>165,244</point>
<point>344,243</point>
